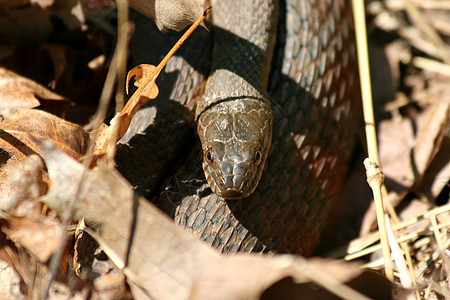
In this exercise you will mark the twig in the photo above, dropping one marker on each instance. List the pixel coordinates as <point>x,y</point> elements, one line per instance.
<point>404,238</point>
<point>122,47</point>
<point>404,274</point>
<point>364,73</point>
<point>147,89</point>
<point>375,179</point>
<point>437,234</point>
<point>107,91</point>
<point>362,243</point>
<point>119,60</point>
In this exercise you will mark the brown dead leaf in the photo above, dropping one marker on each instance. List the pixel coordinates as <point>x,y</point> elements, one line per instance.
<point>57,54</point>
<point>17,124</point>
<point>162,261</point>
<point>245,276</point>
<point>112,286</point>
<point>20,92</point>
<point>408,147</point>
<point>9,157</point>
<point>25,224</point>
<point>19,129</point>
<point>157,257</point>
<point>40,235</point>
<point>10,282</point>
<point>89,261</point>
<point>36,233</point>
<point>24,183</point>
<point>141,73</point>
<point>31,21</point>
<point>24,23</point>
<point>145,76</point>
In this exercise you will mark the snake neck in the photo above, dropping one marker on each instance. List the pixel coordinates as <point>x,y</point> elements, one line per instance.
<point>234,119</point>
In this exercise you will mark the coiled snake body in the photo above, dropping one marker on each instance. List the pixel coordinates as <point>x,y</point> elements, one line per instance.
<point>292,62</point>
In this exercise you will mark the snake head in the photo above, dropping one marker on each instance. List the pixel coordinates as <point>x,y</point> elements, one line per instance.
<point>235,148</point>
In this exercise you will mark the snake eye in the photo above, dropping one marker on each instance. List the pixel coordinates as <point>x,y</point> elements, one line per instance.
<point>257,156</point>
<point>209,156</point>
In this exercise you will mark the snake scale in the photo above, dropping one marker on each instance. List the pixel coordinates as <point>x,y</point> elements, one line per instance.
<point>293,60</point>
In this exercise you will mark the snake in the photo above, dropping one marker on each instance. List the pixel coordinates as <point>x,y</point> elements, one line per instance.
<point>272,92</point>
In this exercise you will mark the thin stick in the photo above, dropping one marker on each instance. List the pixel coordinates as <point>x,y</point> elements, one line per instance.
<point>375,179</point>
<point>122,47</point>
<point>136,101</point>
<point>181,40</point>
<point>363,63</point>
<point>121,71</point>
<point>405,238</point>
<point>364,74</point>
<point>361,243</point>
<point>133,104</point>
<point>437,234</point>
<point>400,262</point>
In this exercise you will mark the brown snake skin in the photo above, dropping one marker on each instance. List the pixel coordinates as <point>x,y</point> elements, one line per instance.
<point>314,94</point>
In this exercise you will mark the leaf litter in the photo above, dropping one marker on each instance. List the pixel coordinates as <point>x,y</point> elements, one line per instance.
<point>159,260</point>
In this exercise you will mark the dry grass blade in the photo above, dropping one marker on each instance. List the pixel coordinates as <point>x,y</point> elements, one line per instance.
<point>400,262</point>
<point>375,179</point>
<point>363,63</point>
<point>432,65</point>
<point>360,247</point>
<point>421,22</point>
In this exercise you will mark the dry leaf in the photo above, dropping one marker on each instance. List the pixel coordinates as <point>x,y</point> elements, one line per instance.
<point>10,282</point>
<point>33,233</point>
<point>40,235</point>
<point>112,286</point>
<point>20,92</point>
<point>25,23</point>
<point>9,157</point>
<point>141,73</point>
<point>248,276</point>
<point>17,124</point>
<point>24,183</point>
<point>19,129</point>
<point>145,77</point>
<point>155,255</point>
<point>26,225</point>
<point>57,54</point>
<point>31,21</point>
<point>161,260</point>
<point>407,148</point>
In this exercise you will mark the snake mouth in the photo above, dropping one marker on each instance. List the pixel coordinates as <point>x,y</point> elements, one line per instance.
<point>229,186</point>
<point>232,194</point>
<point>232,186</point>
